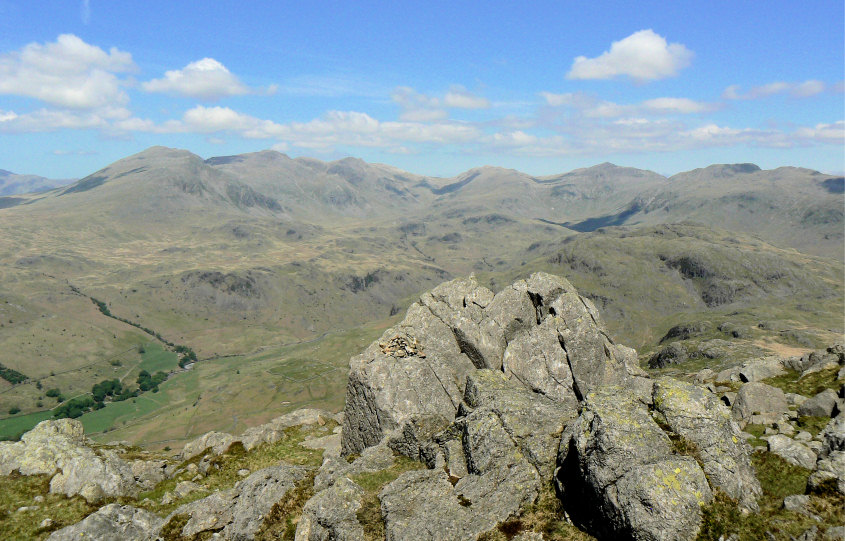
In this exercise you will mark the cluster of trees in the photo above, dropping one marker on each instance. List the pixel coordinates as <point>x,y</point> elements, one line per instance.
<point>112,388</point>
<point>55,393</point>
<point>12,376</point>
<point>76,407</point>
<point>147,382</point>
<point>186,355</point>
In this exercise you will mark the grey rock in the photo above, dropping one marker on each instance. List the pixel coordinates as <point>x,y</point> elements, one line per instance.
<point>685,331</point>
<point>506,435</point>
<point>95,477</point>
<point>617,475</point>
<point>331,515</point>
<point>423,505</point>
<point>530,424</point>
<point>835,533</point>
<point>714,349</point>
<point>372,459</point>
<point>384,391</point>
<point>803,436</point>
<point>815,446</point>
<point>45,448</point>
<point>809,535</point>
<point>799,503</point>
<point>760,369</point>
<point>275,430</point>
<point>728,374</point>
<point>674,353</point>
<point>539,331</point>
<point>794,399</point>
<point>537,360</point>
<point>758,399</point>
<point>833,436</point>
<point>785,428</point>
<point>697,415</point>
<point>240,511</point>
<point>704,376</point>
<point>218,442</point>
<point>821,405</point>
<point>148,473</point>
<point>792,451</point>
<point>830,469</point>
<point>60,447</point>
<point>112,522</point>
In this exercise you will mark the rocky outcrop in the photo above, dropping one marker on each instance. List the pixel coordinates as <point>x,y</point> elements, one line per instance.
<point>239,512</point>
<point>112,522</point>
<point>332,514</point>
<point>59,447</point>
<point>697,415</point>
<point>821,405</point>
<point>219,442</point>
<point>618,477</point>
<point>759,399</point>
<point>792,451</point>
<point>488,464</point>
<point>538,331</point>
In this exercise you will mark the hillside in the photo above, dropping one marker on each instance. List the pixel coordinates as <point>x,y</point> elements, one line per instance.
<point>15,184</point>
<point>260,261</point>
<point>478,416</point>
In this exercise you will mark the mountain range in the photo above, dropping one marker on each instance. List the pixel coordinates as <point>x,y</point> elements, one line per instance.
<point>269,259</point>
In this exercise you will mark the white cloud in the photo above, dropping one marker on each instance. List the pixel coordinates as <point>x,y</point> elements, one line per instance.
<point>642,56</point>
<point>684,106</point>
<point>808,88</point>
<point>826,133</point>
<point>590,106</point>
<point>205,79</point>
<point>798,90</point>
<point>418,107</point>
<point>44,120</point>
<point>459,97</point>
<point>67,73</point>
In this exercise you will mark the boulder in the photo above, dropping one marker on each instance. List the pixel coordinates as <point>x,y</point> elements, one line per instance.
<point>833,436</point>
<point>60,447</point>
<point>532,423</point>
<point>332,514</point>
<point>821,405</point>
<point>538,331</point>
<point>685,331</point>
<point>95,477</point>
<point>792,451</point>
<point>697,415</point>
<point>760,369</point>
<point>45,448</point>
<point>275,430</point>
<point>674,353</point>
<point>334,467</point>
<point>757,398</point>
<point>424,505</point>
<point>617,475</point>
<point>240,511</point>
<point>112,522</point>
<point>497,453</point>
<point>830,469</point>
<point>218,442</point>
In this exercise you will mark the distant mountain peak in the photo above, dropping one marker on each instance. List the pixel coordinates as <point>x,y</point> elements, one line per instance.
<point>734,168</point>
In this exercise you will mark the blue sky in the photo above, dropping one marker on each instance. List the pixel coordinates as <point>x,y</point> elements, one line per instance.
<point>431,87</point>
